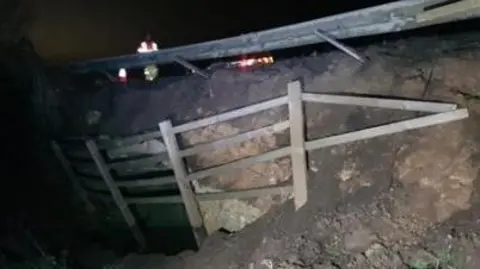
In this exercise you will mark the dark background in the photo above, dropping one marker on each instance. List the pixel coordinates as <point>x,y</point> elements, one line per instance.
<point>65,30</point>
<point>35,195</point>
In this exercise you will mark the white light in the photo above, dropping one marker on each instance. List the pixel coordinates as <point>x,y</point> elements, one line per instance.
<point>122,73</point>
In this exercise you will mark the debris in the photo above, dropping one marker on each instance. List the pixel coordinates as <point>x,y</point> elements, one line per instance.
<point>380,257</point>
<point>268,263</point>
<point>359,239</point>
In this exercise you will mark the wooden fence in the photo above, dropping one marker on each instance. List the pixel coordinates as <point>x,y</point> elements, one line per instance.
<point>105,169</point>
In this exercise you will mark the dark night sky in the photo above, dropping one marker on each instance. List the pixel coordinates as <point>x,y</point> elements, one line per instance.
<point>82,29</point>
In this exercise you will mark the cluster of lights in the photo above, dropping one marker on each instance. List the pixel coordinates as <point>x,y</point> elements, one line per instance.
<point>253,61</point>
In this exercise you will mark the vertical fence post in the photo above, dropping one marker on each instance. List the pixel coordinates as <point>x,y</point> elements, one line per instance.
<point>77,187</point>
<point>116,194</point>
<point>188,196</point>
<point>297,141</point>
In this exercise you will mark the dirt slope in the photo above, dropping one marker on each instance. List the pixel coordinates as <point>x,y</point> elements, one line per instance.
<point>408,200</point>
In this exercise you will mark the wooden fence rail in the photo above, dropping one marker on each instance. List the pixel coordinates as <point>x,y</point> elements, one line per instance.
<point>116,194</point>
<point>174,156</point>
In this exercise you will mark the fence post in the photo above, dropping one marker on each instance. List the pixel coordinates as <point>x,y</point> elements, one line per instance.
<point>297,140</point>
<point>77,187</point>
<point>116,194</point>
<point>188,196</point>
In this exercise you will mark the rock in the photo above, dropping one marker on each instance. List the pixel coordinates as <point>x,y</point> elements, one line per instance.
<point>358,240</point>
<point>359,262</point>
<point>231,215</point>
<point>310,251</point>
<point>380,257</point>
<point>293,259</point>
<point>267,264</point>
<point>419,257</point>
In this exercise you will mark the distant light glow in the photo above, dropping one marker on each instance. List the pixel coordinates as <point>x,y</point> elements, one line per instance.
<point>248,62</point>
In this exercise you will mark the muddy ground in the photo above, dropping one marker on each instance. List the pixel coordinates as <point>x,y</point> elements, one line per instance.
<point>409,200</point>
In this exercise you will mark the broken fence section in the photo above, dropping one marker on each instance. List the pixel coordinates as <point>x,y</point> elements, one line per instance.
<point>173,156</point>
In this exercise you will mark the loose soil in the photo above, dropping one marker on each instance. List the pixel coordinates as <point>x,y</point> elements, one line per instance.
<point>408,200</point>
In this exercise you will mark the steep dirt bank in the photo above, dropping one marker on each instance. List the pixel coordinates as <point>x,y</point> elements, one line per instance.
<point>375,201</point>
<point>403,201</point>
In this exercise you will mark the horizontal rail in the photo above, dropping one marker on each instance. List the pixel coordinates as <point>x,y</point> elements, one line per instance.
<point>176,199</point>
<point>248,110</point>
<point>391,17</point>
<point>215,196</point>
<point>387,129</point>
<point>140,162</point>
<point>151,182</point>
<point>451,8</point>
<point>113,142</point>
<point>423,106</point>
<point>247,193</point>
<point>127,164</point>
<point>229,141</point>
<point>160,181</point>
<point>119,142</point>
<point>127,167</point>
<point>83,154</point>
<point>242,163</point>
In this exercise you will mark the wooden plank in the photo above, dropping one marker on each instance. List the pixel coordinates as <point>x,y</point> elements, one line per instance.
<point>174,199</point>
<point>235,139</point>
<point>458,9</point>
<point>191,67</point>
<point>191,204</point>
<point>243,163</point>
<point>151,182</point>
<point>157,181</point>
<point>297,139</point>
<point>422,106</point>
<point>231,115</point>
<point>118,142</point>
<point>243,194</point>
<point>77,186</point>
<point>386,129</point>
<point>116,194</point>
<point>146,148</point>
<point>135,164</point>
<point>90,172</point>
<point>124,168</point>
<point>340,46</point>
<point>177,199</point>
<point>215,196</point>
